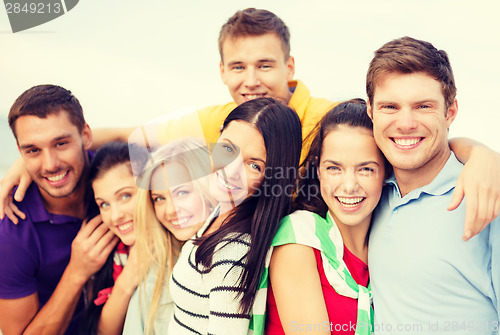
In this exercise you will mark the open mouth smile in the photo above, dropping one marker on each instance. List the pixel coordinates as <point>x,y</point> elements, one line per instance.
<point>228,186</point>
<point>406,143</point>
<point>350,202</point>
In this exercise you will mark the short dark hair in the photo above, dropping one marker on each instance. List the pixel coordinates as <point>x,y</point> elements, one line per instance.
<point>42,100</point>
<point>255,22</point>
<point>409,55</point>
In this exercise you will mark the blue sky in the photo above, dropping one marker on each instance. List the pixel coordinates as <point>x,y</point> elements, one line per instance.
<point>131,61</point>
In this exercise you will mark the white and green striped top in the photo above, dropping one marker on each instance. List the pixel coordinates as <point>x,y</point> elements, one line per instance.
<point>310,229</point>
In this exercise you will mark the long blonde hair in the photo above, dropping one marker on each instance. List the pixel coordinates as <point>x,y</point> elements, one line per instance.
<point>157,247</point>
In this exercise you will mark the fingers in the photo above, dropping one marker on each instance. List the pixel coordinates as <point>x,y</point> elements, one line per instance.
<point>2,203</point>
<point>88,226</point>
<point>104,244</point>
<point>24,183</point>
<point>457,197</point>
<point>10,214</point>
<point>470,217</point>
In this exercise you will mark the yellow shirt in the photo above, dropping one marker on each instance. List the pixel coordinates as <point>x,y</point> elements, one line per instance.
<point>208,121</point>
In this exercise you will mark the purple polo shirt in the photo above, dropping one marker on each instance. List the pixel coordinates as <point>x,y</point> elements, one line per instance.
<point>35,253</point>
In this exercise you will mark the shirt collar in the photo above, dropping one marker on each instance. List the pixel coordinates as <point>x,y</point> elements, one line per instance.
<point>300,97</point>
<point>444,182</point>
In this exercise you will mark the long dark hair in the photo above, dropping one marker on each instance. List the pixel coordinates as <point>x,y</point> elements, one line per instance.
<point>260,214</point>
<point>107,157</point>
<point>351,113</point>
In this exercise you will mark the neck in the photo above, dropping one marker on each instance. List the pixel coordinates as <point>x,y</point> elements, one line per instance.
<point>74,204</point>
<point>217,222</point>
<point>409,180</point>
<point>354,237</point>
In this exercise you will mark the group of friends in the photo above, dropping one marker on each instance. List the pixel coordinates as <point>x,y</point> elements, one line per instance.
<point>288,214</point>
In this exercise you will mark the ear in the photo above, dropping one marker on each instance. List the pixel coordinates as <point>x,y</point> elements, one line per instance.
<point>290,68</point>
<point>86,137</point>
<point>222,72</point>
<point>369,110</point>
<point>451,113</point>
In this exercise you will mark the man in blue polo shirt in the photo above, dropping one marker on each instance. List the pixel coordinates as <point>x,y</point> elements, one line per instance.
<point>47,259</point>
<point>425,279</point>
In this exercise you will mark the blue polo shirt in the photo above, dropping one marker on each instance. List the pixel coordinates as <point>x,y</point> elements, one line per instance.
<point>35,253</point>
<point>425,279</point>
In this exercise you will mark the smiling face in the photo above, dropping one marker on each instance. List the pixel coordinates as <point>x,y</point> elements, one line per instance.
<point>115,194</point>
<point>54,152</point>
<point>239,162</point>
<point>255,67</point>
<point>410,123</point>
<point>351,173</point>
<point>178,205</point>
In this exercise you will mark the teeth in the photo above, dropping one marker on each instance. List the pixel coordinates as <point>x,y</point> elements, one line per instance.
<point>406,141</point>
<point>125,226</point>
<point>254,96</point>
<point>223,183</point>
<point>350,202</point>
<point>57,177</point>
<point>180,222</point>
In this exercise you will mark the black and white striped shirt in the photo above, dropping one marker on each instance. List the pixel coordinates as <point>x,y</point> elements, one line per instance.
<point>205,298</point>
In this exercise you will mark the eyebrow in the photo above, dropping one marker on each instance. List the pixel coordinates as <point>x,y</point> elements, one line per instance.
<point>28,146</point>
<point>234,63</point>
<point>123,188</point>
<point>388,102</point>
<point>234,145</point>
<point>267,60</point>
<point>360,164</point>
<point>263,60</point>
<point>175,188</point>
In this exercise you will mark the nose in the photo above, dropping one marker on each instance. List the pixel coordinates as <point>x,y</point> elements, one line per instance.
<point>251,78</point>
<point>170,209</point>
<point>406,120</point>
<point>350,182</point>
<point>116,213</point>
<point>50,161</point>
<point>235,169</point>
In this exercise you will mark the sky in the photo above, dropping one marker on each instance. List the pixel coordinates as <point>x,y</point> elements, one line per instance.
<point>131,61</point>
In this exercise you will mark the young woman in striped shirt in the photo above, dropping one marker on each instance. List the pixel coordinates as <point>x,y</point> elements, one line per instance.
<point>216,278</point>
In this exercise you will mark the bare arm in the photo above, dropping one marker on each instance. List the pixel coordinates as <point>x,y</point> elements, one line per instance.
<point>89,251</point>
<point>102,136</point>
<point>16,176</point>
<point>115,309</point>
<point>479,182</point>
<point>297,288</point>
<point>17,313</point>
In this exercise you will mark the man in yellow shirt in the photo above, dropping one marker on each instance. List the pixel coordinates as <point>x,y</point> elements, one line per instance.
<point>254,46</point>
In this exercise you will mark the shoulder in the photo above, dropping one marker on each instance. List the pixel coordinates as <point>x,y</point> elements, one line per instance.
<point>232,247</point>
<point>318,106</point>
<point>221,110</point>
<point>298,225</point>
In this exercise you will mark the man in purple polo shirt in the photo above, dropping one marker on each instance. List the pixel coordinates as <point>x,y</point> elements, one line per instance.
<point>48,258</point>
